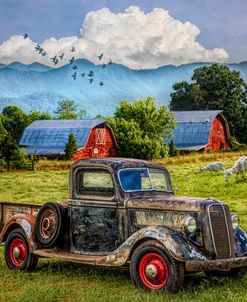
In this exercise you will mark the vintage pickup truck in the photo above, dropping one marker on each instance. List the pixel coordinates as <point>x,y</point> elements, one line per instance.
<point>123,212</point>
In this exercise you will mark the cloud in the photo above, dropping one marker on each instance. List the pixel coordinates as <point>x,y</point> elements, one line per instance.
<point>133,38</point>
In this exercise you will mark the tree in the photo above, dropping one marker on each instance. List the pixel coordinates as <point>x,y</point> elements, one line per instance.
<point>36,115</point>
<point>141,127</point>
<point>66,109</point>
<point>216,87</point>
<point>186,97</point>
<point>14,121</point>
<point>173,151</point>
<point>71,147</point>
<point>11,156</point>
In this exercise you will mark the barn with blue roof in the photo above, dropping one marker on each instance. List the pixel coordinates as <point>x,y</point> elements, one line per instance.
<point>49,137</point>
<point>201,130</point>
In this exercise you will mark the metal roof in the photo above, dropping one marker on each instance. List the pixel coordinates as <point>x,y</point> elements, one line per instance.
<point>49,137</point>
<point>193,128</point>
<point>196,116</point>
<point>86,123</point>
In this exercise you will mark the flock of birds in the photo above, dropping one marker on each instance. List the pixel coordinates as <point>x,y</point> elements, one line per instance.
<point>57,58</point>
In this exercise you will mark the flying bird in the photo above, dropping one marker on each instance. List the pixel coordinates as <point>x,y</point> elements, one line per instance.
<point>103,65</point>
<point>37,47</point>
<point>44,53</point>
<point>41,50</point>
<point>72,49</point>
<point>54,60</point>
<point>71,61</point>
<point>101,83</point>
<point>110,62</point>
<point>61,56</point>
<point>83,74</point>
<point>74,75</point>
<point>91,73</point>
<point>100,56</point>
<point>74,67</point>
<point>25,35</point>
<point>90,81</point>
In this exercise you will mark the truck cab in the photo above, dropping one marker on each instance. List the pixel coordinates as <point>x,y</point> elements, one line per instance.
<point>123,212</point>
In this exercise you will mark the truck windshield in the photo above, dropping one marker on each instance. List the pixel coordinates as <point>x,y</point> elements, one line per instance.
<point>143,180</point>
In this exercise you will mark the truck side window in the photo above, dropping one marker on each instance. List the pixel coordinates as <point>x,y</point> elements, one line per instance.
<point>95,182</point>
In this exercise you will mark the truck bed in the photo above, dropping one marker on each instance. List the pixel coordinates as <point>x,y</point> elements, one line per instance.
<point>8,209</point>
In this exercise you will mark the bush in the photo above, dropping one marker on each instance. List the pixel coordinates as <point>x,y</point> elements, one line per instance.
<point>140,128</point>
<point>173,151</point>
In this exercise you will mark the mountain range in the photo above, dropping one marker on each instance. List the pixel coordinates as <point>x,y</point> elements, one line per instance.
<point>39,87</point>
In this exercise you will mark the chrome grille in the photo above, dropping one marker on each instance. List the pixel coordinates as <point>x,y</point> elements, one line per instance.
<point>221,230</point>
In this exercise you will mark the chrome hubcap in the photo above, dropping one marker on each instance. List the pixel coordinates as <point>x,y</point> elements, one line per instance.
<point>16,252</point>
<point>151,271</point>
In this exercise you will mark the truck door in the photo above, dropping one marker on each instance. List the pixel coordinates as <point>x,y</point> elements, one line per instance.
<point>93,212</point>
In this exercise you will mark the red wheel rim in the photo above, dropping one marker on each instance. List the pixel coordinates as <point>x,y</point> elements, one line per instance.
<point>18,252</point>
<point>153,271</point>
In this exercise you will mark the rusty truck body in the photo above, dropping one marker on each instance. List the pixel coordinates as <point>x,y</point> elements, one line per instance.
<point>123,212</point>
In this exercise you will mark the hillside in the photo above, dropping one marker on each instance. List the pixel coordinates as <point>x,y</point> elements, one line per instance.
<point>38,87</point>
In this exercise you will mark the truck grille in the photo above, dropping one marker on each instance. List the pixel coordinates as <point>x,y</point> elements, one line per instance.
<point>221,230</point>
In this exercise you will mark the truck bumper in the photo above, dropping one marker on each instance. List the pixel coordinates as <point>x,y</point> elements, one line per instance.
<point>212,265</point>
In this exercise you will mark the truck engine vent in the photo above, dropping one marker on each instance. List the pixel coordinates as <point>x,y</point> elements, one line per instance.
<point>221,230</point>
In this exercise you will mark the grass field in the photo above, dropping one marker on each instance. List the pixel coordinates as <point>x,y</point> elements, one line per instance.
<point>61,281</point>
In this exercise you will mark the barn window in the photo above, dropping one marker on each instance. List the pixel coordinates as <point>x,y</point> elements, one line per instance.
<point>100,136</point>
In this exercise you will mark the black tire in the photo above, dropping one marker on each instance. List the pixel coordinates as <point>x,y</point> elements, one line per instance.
<point>153,268</point>
<point>17,253</point>
<point>50,224</point>
<point>237,273</point>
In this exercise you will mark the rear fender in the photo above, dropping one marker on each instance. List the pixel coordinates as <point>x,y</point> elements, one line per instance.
<point>179,247</point>
<point>24,222</point>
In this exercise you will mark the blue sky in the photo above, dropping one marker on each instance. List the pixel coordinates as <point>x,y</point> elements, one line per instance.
<point>222,23</point>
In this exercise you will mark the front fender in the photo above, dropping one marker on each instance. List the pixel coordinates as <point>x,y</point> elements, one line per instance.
<point>240,241</point>
<point>26,222</point>
<point>179,247</point>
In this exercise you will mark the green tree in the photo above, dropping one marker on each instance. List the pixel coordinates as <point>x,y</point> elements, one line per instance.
<point>173,151</point>
<point>141,127</point>
<point>11,156</point>
<point>36,115</point>
<point>216,87</point>
<point>66,109</point>
<point>14,121</point>
<point>186,96</point>
<point>71,147</point>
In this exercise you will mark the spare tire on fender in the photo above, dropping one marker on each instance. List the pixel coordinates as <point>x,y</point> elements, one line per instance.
<point>50,224</point>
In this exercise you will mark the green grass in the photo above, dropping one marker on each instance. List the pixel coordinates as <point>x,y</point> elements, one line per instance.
<point>61,281</point>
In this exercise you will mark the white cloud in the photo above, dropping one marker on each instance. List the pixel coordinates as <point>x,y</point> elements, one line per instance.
<point>133,38</point>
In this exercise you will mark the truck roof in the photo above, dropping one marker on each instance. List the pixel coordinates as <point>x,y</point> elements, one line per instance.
<point>118,162</point>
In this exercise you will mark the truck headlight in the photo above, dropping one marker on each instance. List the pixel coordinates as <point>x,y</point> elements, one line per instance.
<point>235,221</point>
<point>189,225</point>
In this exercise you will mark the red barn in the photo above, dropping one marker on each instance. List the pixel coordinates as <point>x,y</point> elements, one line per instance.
<point>49,137</point>
<point>100,143</point>
<point>201,130</point>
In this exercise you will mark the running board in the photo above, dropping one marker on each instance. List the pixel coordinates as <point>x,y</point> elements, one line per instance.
<point>72,257</point>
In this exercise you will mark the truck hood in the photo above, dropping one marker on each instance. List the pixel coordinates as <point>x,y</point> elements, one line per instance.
<point>165,201</point>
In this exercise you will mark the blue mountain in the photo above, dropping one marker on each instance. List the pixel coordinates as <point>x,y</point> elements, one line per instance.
<point>39,87</point>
